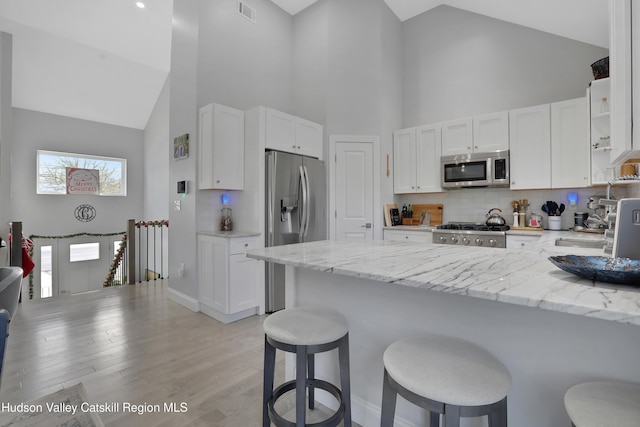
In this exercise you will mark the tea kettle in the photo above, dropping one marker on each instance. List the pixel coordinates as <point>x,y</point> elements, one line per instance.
<point>494,218</point>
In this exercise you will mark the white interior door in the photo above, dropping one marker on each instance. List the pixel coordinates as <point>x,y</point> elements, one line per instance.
<point>354,188</point>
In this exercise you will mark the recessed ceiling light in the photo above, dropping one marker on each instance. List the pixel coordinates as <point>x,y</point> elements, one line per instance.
<point>140,5</point>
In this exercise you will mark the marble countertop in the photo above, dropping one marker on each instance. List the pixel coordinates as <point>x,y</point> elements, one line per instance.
<point>516,276</point>
<point>229,234</point>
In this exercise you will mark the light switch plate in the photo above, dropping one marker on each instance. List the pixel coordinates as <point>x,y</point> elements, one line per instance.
<point>176,205</point>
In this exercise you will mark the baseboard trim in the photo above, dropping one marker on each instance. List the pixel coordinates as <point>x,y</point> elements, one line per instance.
<point>227,318</point>
<point>184,300</point>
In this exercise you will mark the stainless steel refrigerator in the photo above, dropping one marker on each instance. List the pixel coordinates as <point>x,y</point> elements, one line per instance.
<point>295,211</point>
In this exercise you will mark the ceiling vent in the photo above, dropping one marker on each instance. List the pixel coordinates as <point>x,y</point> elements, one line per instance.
<point>247,11</point>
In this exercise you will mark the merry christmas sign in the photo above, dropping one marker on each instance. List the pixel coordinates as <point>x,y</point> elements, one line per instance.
<point>83,181</point>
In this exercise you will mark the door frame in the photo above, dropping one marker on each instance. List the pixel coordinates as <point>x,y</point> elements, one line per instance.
<point>374,141</point>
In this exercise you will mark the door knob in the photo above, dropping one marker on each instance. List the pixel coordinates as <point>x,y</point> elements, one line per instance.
<point>367,225</point>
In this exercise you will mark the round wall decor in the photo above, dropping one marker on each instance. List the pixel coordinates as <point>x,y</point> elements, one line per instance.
<point>85,213</point>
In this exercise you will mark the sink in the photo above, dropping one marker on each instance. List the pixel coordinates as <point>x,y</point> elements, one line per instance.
<point>581,243</point>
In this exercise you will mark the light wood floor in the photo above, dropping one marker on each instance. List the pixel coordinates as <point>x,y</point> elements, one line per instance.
<point>131,344</point>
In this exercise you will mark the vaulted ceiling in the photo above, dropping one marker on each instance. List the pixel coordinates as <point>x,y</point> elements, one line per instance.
<point>107,60</point>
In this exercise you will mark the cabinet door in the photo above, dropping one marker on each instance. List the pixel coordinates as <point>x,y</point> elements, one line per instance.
<point>457,137</point>
<point>308,138</point>
<point>404,161</point>
<point>280,131</point>
<point>428,150</point>
<point>228,142</point>
<point>242,283</point>
<point>220,148</point>
<point>530,145</point>
<point>570,151</point>
<point>491,132</point>
<point>212,272</point>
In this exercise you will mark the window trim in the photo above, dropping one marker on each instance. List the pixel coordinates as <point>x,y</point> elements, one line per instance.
<point>123,170</point>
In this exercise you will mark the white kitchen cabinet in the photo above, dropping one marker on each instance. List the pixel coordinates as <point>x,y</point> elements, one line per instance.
<point>518,241</point>
<point>227,279</point>
<point>291,134</point>
<point>407,235</point>
<point>491,132</point>
<point>530,145</point>
<point>570,153</point>
<point>599,96</point>
<point>220,148</point>
<point>457,137</point>
<point>416,160</point>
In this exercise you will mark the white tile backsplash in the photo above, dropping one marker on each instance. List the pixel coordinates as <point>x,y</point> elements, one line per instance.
<point>472,204</point>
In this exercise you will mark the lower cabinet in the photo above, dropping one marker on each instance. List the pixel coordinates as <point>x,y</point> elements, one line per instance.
<point>407,235</point>
<point>227,279</point>
<point>518,241</point>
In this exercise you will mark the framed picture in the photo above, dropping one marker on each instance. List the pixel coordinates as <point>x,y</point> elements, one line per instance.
<point>181,147</point>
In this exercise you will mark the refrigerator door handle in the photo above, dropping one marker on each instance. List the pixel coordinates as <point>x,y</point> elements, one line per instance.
<point>307,207</point>
<point>271,191</point>
<point>302,212</point>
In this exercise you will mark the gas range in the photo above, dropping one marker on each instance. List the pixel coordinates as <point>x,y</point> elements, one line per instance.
<point>471,234</point>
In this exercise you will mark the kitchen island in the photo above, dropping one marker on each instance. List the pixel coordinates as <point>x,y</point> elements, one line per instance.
<point>550,328</point>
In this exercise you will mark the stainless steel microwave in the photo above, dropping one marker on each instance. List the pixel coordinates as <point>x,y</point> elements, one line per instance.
<point>475,170</point>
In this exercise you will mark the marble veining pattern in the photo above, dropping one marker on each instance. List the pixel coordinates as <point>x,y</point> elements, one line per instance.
<point>515,276</point>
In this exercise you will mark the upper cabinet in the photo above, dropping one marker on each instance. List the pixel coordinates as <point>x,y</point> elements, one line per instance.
<point>457,137</point>
<point>416,160</point>
<point>220,148</point>
<point>598,95</point>
<point>621,58</point>
<point>491,132</point>
<point>479,134</point>
<point>570,153</point>
<point>530,141</point>
<point>291,134</point>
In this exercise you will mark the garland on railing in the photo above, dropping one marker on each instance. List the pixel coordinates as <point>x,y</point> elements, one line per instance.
<point>67,236</point>
<point>108,281</point>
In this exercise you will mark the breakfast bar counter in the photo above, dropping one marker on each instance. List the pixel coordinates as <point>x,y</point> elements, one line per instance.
<point>549,327</point>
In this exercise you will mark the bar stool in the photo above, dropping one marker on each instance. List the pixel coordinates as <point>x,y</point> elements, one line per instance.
<point>448,377</point>
<point>603,404</point>
<point>305,332</point>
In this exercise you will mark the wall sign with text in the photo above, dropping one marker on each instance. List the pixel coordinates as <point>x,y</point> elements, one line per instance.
<point>83,181</point>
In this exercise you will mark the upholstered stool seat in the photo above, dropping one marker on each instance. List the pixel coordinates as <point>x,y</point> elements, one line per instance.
<point>305,332</point>
<point>447,376</point>
<point>604,404</point>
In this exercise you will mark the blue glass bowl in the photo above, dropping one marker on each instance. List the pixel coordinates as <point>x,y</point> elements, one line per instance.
<point>599,268</point>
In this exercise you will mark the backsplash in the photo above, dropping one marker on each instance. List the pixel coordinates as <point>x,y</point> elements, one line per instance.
<point>473,204</point>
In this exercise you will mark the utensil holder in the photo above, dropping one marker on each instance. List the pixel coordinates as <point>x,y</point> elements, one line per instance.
<point>555,223</point>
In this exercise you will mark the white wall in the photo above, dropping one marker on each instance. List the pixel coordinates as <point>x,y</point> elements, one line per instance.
<point>183,115</point>
<point>6,130</point>
<point>157,147</point>
<point>459,64</point>
<point>54,214</point>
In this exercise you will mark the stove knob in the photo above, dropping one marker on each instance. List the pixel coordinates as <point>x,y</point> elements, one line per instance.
<point>479,241</point>
<point>454,239</point>
<point>492,242</point>
<point>465,240</point>
<point>443,239</point>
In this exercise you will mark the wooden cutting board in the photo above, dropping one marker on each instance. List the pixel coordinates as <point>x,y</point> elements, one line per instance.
<point>434,210</point>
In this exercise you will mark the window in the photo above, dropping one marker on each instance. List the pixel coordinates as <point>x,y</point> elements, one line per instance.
<point>52,174</point>
<point>84,252</point>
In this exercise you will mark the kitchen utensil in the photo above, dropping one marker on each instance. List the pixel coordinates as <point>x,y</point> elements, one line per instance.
<point>561,208</point>
<point>545,209</point>
<point>495,218</point>
<point>599,268</point>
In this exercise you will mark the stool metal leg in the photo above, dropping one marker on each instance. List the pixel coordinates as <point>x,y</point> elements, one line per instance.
<point>269,369</point>
<point>498,414</point>
<point>311,375</point>
<point>345,382</point>
<point>451,416</point>
<point>389,397</point>
<point>301,384</point>
<point>434,419</point>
